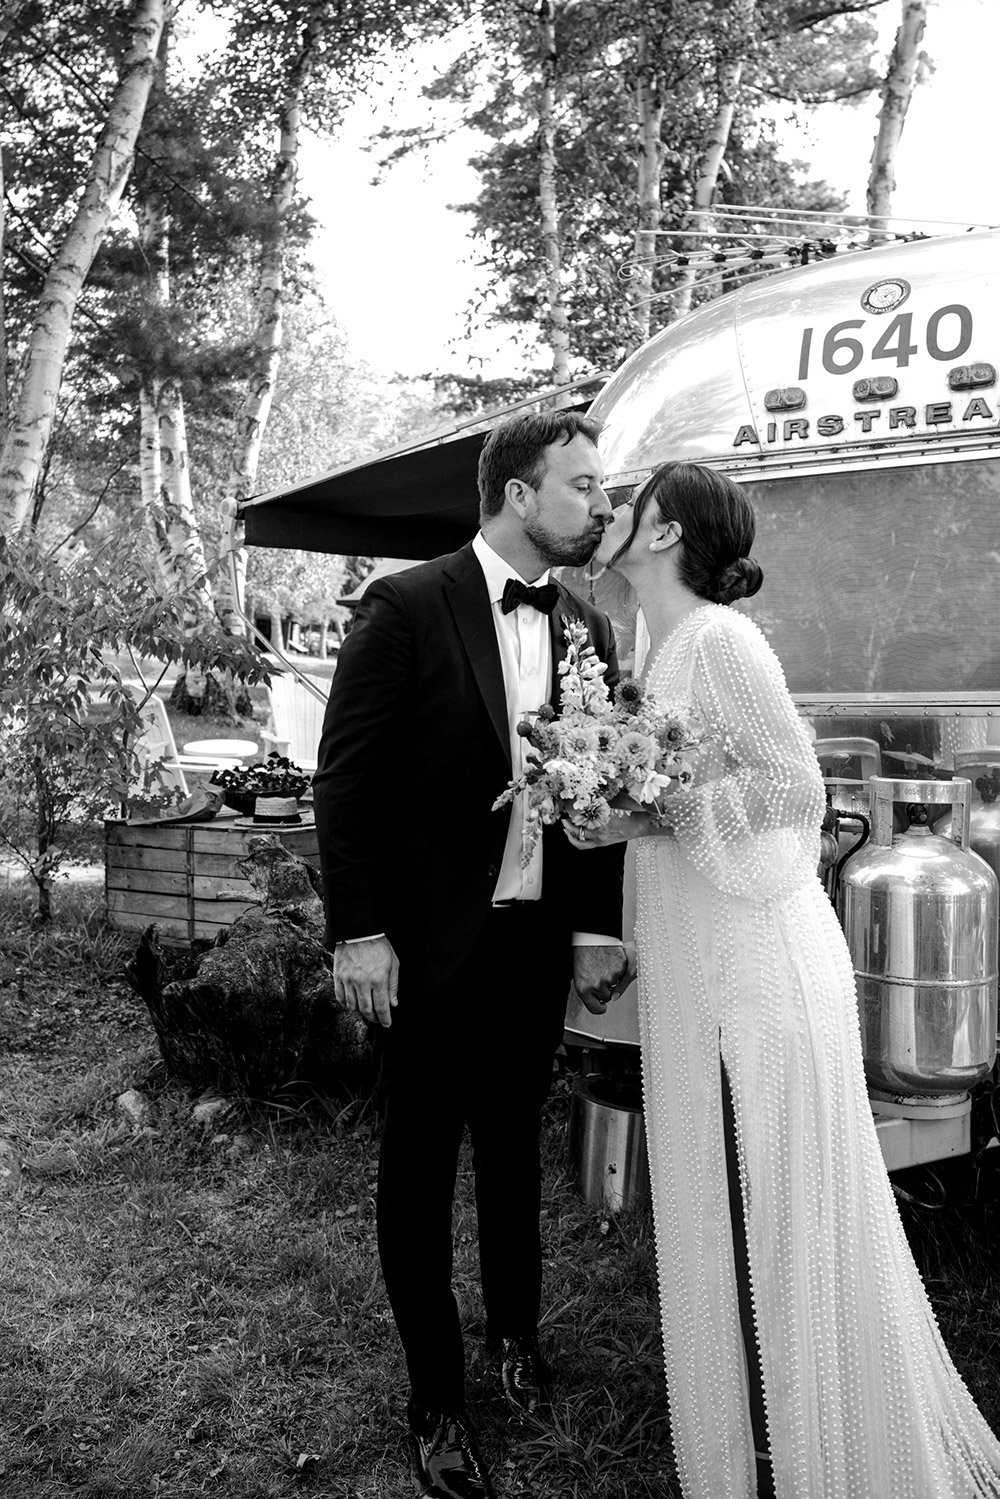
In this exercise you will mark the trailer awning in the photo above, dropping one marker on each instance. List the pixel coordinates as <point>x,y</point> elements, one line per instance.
<point>417,503</point>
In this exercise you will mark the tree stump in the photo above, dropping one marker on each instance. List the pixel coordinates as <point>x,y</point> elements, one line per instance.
<point>210,695</point>
<point>255,1013</point>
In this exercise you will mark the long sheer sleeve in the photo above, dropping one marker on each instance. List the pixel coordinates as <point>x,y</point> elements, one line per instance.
<point>750,823</point>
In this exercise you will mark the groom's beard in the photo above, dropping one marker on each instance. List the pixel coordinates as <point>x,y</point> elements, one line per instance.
<point>563,551</point>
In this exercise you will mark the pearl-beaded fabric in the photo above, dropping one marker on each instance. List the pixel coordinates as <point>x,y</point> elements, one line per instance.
<point>741,955</point>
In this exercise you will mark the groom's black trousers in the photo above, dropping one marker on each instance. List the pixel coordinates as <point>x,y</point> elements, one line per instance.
<point>477,1052</point>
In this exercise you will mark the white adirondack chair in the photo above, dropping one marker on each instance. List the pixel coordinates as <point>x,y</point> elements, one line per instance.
<point>157,742</point>
<point>296,718</point>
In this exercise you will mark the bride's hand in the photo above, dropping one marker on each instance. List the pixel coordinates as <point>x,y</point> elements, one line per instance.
<point>632,960</point>
<point>621,827</point>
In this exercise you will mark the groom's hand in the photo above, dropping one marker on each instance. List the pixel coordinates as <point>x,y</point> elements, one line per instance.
<point>366,977</point>
<point>598,973</point>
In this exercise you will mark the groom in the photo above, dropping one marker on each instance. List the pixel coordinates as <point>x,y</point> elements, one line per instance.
<point>439,934</point>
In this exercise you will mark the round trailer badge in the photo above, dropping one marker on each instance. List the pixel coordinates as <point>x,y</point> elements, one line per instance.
<point>884,296</point>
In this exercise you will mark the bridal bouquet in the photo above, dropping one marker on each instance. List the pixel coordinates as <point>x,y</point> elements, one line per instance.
<point>599,754</point>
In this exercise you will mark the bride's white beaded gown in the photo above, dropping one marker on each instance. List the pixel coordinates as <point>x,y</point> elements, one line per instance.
<point>741,956</point>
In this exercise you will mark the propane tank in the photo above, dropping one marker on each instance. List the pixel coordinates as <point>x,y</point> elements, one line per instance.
<point>920,914</point>
<point>862,757</point>
<point>842,834</point>
<point>982,767</point>
<point>848,764</point>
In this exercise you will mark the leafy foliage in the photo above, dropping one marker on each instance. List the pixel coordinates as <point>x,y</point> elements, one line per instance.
<point>797,55</point>
<point>275,776</point>
<point>59,66</point>
<point>64,761</point>
<point>329,410</point>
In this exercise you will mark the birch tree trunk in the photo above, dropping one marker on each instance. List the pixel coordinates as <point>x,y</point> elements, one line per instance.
<point>730,75</point>
<point>649,108</point>
<point>149,464</point>
<point>179,541</point>
<point>165,481</point>
<point>179,545</point>
<point>180,538</point>
<point>897,92</point>
<point>4,401</point>
<point>153,243</point>
<point>252,419</point>
<point>547,196</point>
<point>164,465</point>
<point>30,429</point>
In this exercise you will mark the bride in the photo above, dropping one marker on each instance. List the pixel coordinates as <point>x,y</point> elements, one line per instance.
<point>795,1323</point>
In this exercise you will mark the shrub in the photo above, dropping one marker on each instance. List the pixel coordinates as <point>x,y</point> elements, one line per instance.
<point>64,764</point>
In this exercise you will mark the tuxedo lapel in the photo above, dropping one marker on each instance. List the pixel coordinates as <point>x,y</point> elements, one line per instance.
<point>469,602</point>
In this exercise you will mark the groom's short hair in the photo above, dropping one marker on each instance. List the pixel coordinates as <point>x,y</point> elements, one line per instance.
<point>516,450</point>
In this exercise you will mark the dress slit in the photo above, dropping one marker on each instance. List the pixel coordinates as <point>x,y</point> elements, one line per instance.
<point>748,1326</point>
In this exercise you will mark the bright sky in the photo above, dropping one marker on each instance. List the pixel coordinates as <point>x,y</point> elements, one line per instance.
<point>945,167</point>
<point>400,267</point>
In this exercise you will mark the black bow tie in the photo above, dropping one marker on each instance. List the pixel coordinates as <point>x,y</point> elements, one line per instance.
<point>515,592</point>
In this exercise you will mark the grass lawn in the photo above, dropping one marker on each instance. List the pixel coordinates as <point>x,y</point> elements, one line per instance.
<point>187,1311</point>
<point>181,1315</point>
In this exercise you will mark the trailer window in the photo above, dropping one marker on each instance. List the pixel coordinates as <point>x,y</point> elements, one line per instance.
<point>882,581</point>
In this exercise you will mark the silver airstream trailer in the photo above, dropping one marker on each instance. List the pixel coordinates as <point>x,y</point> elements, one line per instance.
<point>858,401</point>
<point>857,398</point>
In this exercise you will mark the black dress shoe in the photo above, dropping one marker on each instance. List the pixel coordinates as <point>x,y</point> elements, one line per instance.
<point>524,1375</point>
<point>446,1459</point>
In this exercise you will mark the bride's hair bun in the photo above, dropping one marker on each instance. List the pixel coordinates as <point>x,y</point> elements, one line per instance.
<point>740,580</point>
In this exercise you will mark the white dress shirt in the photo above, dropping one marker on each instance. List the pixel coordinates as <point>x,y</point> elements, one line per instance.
<point>526,658</point>
<point>525,645</point>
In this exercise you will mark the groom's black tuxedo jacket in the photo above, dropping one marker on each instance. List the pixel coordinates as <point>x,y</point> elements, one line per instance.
<point>414,751</point>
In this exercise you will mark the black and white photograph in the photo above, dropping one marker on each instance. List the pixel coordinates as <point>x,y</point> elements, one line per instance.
<point>499,749</point>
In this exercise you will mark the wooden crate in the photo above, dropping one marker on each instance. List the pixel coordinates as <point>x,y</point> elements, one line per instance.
<point>185,878</point>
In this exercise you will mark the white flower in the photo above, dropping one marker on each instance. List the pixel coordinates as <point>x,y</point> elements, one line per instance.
<point>583,686</point>
<point>578,738</point>
<point>566,778</point>
<point>636,751</point>
<point>594,815</point>
<point>651,787</point>
<point>543,806</point>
